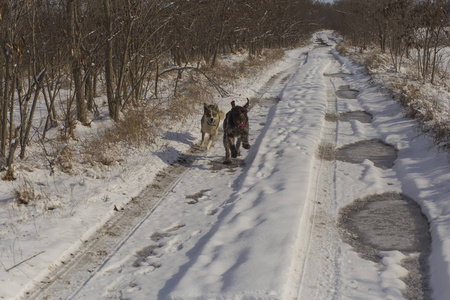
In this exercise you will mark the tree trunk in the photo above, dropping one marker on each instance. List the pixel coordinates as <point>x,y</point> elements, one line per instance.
<point>76,64</point>
<point>5,104</point>
<point>112,105</point>
<point>89,93</point>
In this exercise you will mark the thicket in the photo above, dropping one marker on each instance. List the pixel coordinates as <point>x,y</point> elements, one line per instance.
<point>399,27</point>
<point>77,49</point>
<point>413,34</point>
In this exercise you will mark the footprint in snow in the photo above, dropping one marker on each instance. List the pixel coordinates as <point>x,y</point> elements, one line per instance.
<point>202,195</point>
<point>143,254</point>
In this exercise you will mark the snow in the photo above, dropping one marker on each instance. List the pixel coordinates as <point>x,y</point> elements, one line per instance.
<point>265,229</point>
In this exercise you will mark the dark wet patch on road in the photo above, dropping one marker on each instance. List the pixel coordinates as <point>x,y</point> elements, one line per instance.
<point>360,116</point>
<point>388,222</point>
<point>345,92</point>
<point>217,165</point>
<point>381,154</point>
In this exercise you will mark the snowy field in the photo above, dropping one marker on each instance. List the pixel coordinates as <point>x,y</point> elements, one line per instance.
<point>263,228</point>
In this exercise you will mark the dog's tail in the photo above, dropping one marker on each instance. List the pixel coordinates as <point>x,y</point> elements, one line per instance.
<point>221,114</point>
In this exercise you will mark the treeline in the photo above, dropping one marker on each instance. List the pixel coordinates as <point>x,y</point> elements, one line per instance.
<point>49,47</point>
<point>399,27</point>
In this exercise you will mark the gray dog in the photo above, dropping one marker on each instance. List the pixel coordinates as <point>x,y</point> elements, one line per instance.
<point>235,126</point>
<point>210,123</point>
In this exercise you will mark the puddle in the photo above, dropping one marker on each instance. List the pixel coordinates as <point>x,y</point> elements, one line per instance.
<point>360,116</point>
<point>345,92</point>
<point>381,154</point>
<point>339,75</point>
<point>388,222</point>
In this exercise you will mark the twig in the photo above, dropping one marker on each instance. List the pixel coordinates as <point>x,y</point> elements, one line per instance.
<point>16,265</point>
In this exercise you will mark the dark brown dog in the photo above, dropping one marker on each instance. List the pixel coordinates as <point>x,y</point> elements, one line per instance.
<point>235,126</point>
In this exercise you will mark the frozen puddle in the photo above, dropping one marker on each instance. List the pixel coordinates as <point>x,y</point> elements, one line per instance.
<point>345,92</point>
<point>381,154</point>
<point>360,116</point>
<point>391,222</point>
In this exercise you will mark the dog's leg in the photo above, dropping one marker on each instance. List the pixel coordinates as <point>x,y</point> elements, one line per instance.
<point>228,142</point>
<point>211,137</point>
<point>238,147</point>
<point>203,140</point>
<point>245,142</point>
<point>234,151</point>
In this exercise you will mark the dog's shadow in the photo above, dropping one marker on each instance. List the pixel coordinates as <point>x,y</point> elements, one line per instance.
<point>182,137</point>
<point>218,165</point>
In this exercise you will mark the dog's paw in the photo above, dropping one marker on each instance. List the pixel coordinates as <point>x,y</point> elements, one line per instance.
<point>234,152</point>
<point>246,146</point>
<point>227,162</point>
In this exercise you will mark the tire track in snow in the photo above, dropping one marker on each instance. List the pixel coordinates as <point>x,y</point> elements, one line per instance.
<point>311,275</point>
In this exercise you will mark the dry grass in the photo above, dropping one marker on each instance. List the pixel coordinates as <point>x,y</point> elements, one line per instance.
<point>342,49</point>
<point>136,127</point>
<point>373,62</point>
<point>25,194</point>
<point>64,160</point>
<point>424,110</point>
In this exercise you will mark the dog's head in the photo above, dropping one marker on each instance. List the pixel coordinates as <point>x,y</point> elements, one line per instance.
<point>239,114</point>
<point>211,113</point>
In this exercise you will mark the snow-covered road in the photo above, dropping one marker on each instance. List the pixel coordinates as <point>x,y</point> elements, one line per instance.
<point>267,226</point>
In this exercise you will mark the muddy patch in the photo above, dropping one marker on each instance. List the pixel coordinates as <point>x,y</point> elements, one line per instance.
<point>345,92</point>
<point>389,222</point>
<point>360,116</point>
<point>217,165</point>
<point>381,154</point>
<point>338,75</point>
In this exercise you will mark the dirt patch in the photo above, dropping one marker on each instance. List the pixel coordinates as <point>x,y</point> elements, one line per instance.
<point>326,151</point>
<point>360,116</point>
<point>345,92</point>
<point>381,154</point>
<point>387,222</point>
<point>217,165</point>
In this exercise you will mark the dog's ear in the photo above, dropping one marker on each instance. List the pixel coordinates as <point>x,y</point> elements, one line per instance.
<point>233,104</point>
<point>248,102</point>
<point>205,106</point>
<point>216,106</point>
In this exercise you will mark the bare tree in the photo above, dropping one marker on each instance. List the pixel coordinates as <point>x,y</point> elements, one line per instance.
<point>73,8</point>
